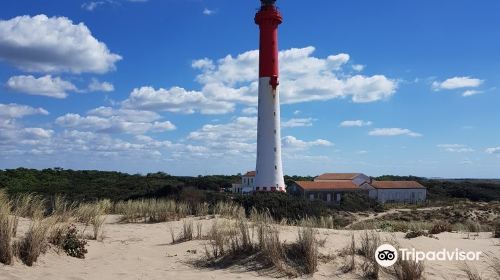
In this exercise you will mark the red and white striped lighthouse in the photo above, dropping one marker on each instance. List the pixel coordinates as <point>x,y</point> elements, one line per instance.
<point>269,170</point>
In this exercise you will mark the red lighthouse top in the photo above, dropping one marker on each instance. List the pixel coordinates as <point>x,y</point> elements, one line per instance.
<point>268,18</point>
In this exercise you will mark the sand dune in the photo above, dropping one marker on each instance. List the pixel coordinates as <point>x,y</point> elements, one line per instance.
<point>143,251</point>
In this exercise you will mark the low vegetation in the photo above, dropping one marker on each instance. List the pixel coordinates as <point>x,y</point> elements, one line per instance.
<point>258,239</point>
<point>35,242</point>
<point>67,238</point>
<point>6,230</point>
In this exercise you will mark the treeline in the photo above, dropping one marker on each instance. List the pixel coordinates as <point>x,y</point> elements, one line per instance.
<point>84,185</point>
<point>452,189</point>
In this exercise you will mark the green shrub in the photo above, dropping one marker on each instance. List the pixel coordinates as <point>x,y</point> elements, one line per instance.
<point>282,205</point>
<point>72,245</point>
<point>354,202</point>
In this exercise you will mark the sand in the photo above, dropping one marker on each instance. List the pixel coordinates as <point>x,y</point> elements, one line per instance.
<point>143,251</point>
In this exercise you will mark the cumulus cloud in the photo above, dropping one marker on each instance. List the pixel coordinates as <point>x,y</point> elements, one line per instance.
<point>45,86</point>
<point>15,111</point>
<point>175,100</point>
<point>238,138</point>
<point>495,150</point>
<point>56,44</point>
<point>109,120</point>
<point>393,132</point>
<point>290,142</point>
<point>233,80</point>
<point>457,83</point>
<point>355,123</point>
<point>250,111</point>
<point>455,148</point>
<point>298,122</point>
<point>95,85</point>
<point>303,78</point>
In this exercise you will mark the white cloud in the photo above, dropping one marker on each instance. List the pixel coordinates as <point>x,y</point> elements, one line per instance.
<point>237,138</point>
<point>175,100</point>
<point>456,83</point>
<point>298,122</point>
<point>455,148</point>
<point>471,92</point>
<point>250,111</point>
<point>296,112</point>
<point>95,85</point>
<point>355,123</point>
<point>43,44</point>
<point>14,111</point>
<point>90,6</point>
<point>495,150</point>
<point>358,67</point>
<point>393,132</point>
<point>290,142</point>
<point>234,80</point>
<point>109,120</point>
<point>208,12</point>
<point>45,86</point>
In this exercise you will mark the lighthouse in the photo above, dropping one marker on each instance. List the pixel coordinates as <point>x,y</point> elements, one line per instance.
<point>269,169</point>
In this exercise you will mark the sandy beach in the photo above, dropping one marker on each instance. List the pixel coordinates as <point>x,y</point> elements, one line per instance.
<point>144,251</point>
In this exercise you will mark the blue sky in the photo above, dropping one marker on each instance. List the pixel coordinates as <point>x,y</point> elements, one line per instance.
<point>379,87</point>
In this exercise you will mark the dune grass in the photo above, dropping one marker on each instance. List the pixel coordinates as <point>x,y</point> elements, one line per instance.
<point>230,241</point>
<point>6,230</point>
<point>151,210</point>
<point>35,242</point>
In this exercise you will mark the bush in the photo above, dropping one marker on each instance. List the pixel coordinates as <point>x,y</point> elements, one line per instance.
<point>415,233</point>
<point>282,205</point>
<point>439,227</point>
<point>67,239</point>
<point>496,229</point>
<point>354,202</point>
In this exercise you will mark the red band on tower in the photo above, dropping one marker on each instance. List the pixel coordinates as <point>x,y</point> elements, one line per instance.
<point>268,18</point>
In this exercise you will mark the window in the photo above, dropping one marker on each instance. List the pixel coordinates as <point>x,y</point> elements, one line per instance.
<point>275,167</point>
<point>264,188</point>
<point>311,196</point>
<point>257,188</point>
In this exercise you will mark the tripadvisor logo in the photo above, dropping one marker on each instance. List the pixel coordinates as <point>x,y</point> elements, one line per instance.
<point>387,255</point>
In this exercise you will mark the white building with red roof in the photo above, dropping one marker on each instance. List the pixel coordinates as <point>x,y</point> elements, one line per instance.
<point>330,187</point>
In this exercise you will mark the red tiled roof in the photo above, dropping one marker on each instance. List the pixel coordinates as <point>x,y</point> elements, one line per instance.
<point>250,174</point>
<point>337,176</point>
<point>397,185</point>
<point>332,185</point>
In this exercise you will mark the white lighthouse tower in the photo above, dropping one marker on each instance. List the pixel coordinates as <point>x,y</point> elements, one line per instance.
<point>269,170</point>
